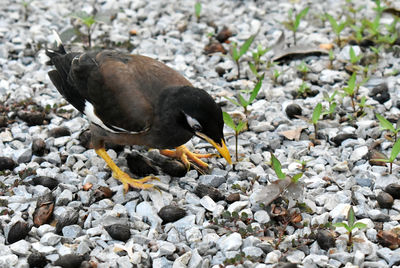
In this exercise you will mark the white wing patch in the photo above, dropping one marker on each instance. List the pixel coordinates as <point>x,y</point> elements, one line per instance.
<point>91,115</point>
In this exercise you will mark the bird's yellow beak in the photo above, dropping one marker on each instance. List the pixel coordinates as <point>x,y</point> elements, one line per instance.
<point>222,149</point>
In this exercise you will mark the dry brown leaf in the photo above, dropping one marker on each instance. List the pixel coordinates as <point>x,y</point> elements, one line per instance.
<point>292,134</point>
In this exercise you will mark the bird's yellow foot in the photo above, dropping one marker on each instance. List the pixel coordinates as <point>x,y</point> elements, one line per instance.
<point>127,181</point>
<point>185,156</point>
<point>123,177</point>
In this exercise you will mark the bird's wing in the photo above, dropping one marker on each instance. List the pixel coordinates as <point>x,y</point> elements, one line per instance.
<point>113,92</point>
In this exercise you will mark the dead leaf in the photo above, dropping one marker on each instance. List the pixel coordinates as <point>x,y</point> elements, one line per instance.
<point>44,210</point>
<point>388,239</point>
<point>214,47</point>
<point>292,134</point>
<point>326,46</point>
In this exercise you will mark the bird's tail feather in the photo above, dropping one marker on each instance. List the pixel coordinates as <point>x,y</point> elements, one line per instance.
<point>60,50</point>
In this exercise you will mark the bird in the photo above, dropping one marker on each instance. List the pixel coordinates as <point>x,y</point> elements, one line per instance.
<point>136,100</point>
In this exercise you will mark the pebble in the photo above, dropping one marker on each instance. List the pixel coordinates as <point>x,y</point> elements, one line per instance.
<point>230,242</point>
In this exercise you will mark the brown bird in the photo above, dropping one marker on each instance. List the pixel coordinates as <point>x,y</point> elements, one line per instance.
<point>133,99</point>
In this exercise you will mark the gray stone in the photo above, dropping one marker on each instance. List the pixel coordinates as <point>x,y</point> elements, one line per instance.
<point>148,213</point>
<point>253,251</point>
<point>21,248</point>
<point>212,180</point>
<point>261,216</point>
<point>193,235</point>
<point>196,260</point>
<point>230,242</point>
<point>9,260</point>
<point>377,215</point>
<point>64,198</point>
<point>295,256</point>
<point>208,203</point>
<point>72,231</point>
<point>50,239</point>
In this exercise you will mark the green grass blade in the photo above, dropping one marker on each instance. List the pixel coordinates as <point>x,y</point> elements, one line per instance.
<point>228,120</point>
<point>244,103</point>
<point>234,51</point>
<point>352,82</point>
<point>385,124</point>
<point>197,9</point>
<point>256,89</point>
<point>340,224</point>
<point>316,113</point>
<point>360,225</point>
<point>246,45</point>
<point>276,166</point>
<point>296,177</point>
<point>300,16</point>
<point>395,150</point>
<point>351,218</point>
<point>240,126</point>
<point>333,23</point>
<point>233,101</point>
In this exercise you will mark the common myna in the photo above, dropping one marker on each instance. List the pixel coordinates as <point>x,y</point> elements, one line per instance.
<point>133,99</point>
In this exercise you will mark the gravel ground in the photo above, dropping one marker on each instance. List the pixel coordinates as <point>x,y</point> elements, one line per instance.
<point>60,206</point>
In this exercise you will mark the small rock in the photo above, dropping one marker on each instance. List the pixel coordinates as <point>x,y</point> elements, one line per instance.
<point>377,215</point>
<point>232,198</point>
<point>59,132</point>
<point>65,219</point>
<point>193,235</point>
<point>212,180</point>
<point>70,261</point>
<point>292,110</point>
<point>140,165</point>
<point>64,198</point>
<point>261,216</point>
<point>21,248</point>
<point>338,139</point>
<point>380,93</point>
<point>230,242</point>
<point>205,190</point>
<point>38,147</point>
<point>385,200</point>
<point>45,181</point>
<point>208,203</point>
<point>18,231</point>
<point>72,231</point>
<point>325,239</point>
<point>32,118</point>
<point>253,252</point>
<point>7,163</point>
<point>37,260</point>
<point>119,232</point>
<point>394,190</point>
<point>171,213</point>
<point>50,239</point>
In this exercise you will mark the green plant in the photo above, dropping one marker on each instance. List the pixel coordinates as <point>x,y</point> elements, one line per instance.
<point>293,21</point>
<point>277,167</point>
<point>354,59</point>
<point>303,90</point>
<point>89,21</point>
<point>257,54</point>
<point>315,117</point>
<point>275,75</point>
<point>236,127</point>
<point>332,104</point>
<point>393,155</point>
<point>197,10</point>
<point>303,68</point>
<point>336,27</point>
<point>331,58</point>
<point>386,125</point>
<point>350,225</point>
<point>351,90</point>
<point>237,54</point>
<point>25,5</point>
<point>242,101</point>
<point>230,221</point>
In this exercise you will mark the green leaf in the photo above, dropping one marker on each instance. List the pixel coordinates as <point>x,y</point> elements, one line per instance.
<point>382,160</point>
<point>233,101</point>
<point>244,103</point>
<point>246,45</point>
<point>316,113</point>
<point>240,126</point>
<point>234,51</point>
<point>276,166</point>
<point>395,151</point>
<point>333,23</point>
<point>296,177</point>
<point>340,224</point>
<point>299,17</point>
<point>385,124</point>
<point>256,89</point>
<point>228,120</point>
<point>360,225</point>
<point>351,218</point>
<point>253,68</point>
<point>197,9</point>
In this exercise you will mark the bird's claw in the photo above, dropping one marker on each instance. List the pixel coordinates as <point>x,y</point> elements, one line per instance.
<point>186,156</point>
<point>127,182</point>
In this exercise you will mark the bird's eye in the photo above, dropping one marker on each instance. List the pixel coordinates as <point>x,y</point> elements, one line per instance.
<point>193,123</point>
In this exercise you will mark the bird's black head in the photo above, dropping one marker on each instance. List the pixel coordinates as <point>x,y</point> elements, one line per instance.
<point>202,116</point>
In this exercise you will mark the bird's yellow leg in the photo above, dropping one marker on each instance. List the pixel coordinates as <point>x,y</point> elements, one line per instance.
<point>185,155</point>
<point>124,177</point>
